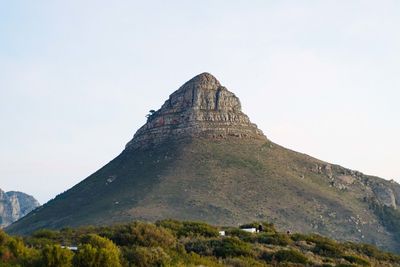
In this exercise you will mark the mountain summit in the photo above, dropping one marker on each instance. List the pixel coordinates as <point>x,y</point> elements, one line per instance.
<point>200,158</point>
<point>201,107</point>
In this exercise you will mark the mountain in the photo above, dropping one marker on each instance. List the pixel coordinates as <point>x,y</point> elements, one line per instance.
<point>14,205</point>
<point>200,158</point>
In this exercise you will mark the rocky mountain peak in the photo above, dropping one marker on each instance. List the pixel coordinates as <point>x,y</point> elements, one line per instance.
<point>201,107</point>
<point>14,205</point>
<point>204,81</point>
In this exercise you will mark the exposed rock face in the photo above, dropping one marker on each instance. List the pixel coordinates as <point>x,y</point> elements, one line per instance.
<point>14,205</point>
<point>385,195</point>
<point>200,107</point>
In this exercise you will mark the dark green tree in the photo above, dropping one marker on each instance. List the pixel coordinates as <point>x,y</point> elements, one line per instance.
<point>97,251</point>
<point>55,256</point>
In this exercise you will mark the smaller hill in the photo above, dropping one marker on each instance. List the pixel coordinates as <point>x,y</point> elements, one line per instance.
<point>15,205</point>
<point>184,243</point>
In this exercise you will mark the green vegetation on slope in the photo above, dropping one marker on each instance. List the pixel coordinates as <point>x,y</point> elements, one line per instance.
<point>223,182</point>
<point>182,243</point>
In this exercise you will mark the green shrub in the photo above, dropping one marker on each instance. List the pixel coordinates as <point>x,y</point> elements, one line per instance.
<point>87,256</point>
<point>3,238</point>
<point>222,247</point>
<point>299,237</point>
<point>193,259</point>
<point>189,229</point>
<point>146,257</point>
<point>274,239</point>
<point>16,247</point>
<point>39,242</point>
<point>47,234</point>
<point>243,262</point>
<point>290,255</point>
<point>143,234</point>
<point>374,252</point>
<point>14,252</point>
<point>328,250</point>
<point>231,247</point>
<point>325,246</point>
<point>198,229</point>
<point>55,256</point>
<point>357,260</point>
<point>170,224</point>
<point>97,251</point>
<point>200,246</point>
<point>243,235</point>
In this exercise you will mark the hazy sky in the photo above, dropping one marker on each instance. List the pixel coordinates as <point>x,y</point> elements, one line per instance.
<point>78,77</point>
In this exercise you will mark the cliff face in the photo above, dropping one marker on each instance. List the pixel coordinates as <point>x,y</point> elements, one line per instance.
<point>14,205</point>
<point>202,107</point>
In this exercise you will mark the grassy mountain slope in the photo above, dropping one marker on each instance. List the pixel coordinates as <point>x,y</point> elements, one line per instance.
<point>222,181</point>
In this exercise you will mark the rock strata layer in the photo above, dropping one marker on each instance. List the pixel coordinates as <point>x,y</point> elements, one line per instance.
<point>14,205</point>
<point>202,107</point>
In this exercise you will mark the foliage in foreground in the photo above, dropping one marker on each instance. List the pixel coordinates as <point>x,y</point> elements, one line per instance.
<point>176,243</point>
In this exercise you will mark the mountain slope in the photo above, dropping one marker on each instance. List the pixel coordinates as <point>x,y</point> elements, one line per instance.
<point>200,158</point>
<point>14,205</point>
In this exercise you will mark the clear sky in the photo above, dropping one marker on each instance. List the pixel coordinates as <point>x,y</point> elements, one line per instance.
<point>78,77</point>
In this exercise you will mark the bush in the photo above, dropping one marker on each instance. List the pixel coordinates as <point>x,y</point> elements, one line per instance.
<point>374,252</point>
<point>243,235</point>
<point>47,234</point>
<point>189,229</point>
<point>14,252</point>
<point>328,250</point>
<point>357,260</point>
<point>16,247</point>
<point>231,247</point>
<point>193,259</point>
<point>55,256</point>
<point>143,234</point>
<point>291,255</point>
<point>274,239</point>
<point>200,246</point>
<point>225,247</point>
<point>198,229</point>
<point>170,224</point>
<point>325,246</point>
<point>3,238</point>
<point>144,257</point>
<point>299,237</point>
<point>243,262</point>
<point>97,251</point>
<point>87,256</point>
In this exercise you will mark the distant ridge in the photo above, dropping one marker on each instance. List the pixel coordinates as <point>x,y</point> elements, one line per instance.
<point>14,205</point>
<point>199,157</point>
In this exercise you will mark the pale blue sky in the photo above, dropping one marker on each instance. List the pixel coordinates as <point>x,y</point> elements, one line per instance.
<point>78,77</point>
